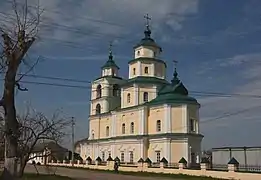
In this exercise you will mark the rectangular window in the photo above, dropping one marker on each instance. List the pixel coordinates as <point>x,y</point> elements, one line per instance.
<point>131,156</point>
<point>158,126</point>
<point>103,156</point>
<point>192,124</point>
<point>158,156</point>
<point>122,157</point>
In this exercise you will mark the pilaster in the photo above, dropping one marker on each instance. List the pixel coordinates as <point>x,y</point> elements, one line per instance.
<point>113,125</point>
<point>153,72</point>
<point>139,70</point>
<point>167,119</point>
<point>184,119</point>
<point>122,97</point>
<point>136,94</point>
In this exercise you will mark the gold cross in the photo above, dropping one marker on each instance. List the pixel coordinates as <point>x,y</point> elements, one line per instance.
<point>175,63</point>
<point>110,47</point>
<point>147,19</point>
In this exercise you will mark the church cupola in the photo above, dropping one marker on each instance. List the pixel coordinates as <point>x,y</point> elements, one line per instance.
<point>147,61</point>
<point>147,47</point>
<point>110,68</point>
<point>174,93</point>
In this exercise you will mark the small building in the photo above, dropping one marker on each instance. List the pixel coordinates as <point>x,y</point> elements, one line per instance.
<point>45,152</point>
<point>246,156</point>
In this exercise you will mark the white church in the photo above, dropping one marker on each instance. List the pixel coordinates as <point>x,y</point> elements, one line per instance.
<point>143,116</point>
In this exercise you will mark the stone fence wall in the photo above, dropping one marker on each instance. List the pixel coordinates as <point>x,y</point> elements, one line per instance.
<point>146,166</point>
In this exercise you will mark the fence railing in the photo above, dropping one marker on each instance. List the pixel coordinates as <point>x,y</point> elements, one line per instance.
<point>249,168</point>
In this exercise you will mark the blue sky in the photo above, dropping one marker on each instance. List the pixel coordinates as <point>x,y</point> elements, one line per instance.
<point>217,44</point>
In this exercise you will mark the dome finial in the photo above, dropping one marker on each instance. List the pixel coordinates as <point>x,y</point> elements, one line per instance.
<point>147,32</point>
<point>110,51</point>
<point>175,79</point>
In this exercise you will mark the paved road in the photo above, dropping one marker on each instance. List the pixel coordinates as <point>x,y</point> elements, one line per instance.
<point>80,174</point>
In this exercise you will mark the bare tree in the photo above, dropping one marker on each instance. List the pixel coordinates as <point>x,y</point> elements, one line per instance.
<point>18,33</point>
<point>35,128</point>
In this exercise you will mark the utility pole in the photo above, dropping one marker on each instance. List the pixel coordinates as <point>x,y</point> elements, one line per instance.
<point>73,124</point>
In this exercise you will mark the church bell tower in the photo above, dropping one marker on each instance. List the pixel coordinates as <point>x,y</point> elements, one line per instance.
<point>105,95</point>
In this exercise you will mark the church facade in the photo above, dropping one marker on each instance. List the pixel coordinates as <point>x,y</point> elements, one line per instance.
<point>144,116</point>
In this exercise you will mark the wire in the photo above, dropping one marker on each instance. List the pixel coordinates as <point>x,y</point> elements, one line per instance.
<point>74,16</point>
<point>230,114</point>
<point>199,93</point>
<point>150,92</point>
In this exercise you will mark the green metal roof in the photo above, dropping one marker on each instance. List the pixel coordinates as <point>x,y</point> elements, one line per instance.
<point>147,40</point>
<point>173,93</point>
<point>145,80</point>
<point>110,63</point>
<point>147,59</point>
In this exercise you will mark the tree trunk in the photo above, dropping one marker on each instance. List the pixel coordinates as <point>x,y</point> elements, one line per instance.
<point>23,162</point>
<point>11,124</point>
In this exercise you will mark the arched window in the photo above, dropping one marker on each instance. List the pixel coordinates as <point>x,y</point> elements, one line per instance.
<point>116,90</point>
<point>128,98</point>
<point>145,96</point>
<point>98,91</point>
<point>107,131</point>
<point>123,128</point>
<point>98,109</point>
<point>134,71</point>
<point>158,126</point>
<point>146,70</point>
<point>132,128</point>
<point>138,53</point>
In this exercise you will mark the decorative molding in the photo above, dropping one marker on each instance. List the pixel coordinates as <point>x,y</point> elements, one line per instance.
<point>122,97</point>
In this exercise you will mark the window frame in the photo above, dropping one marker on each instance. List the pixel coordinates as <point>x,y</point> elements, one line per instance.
<point>123,128</point>
<point>146,70</point>
<point>132,128</point>
<point>122,157</point>
<point>158,126</point>
<point>107,131</point>
<point>98,109</point>
<point>131,157</point>
<point>115,90</point>
<point>192,123</point>
<point>158,156</point>
<point>145,97</point>
<point>103,156</point>
<point>128,98</point>
<point>134,71</point>
<point>98,91</point>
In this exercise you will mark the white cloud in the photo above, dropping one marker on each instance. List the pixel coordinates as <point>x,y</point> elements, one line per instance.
<point>126,14</point>
<point>246,111</point>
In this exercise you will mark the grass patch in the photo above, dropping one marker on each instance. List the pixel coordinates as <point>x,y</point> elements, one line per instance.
<point>147,174</point>
<point>44,177</point>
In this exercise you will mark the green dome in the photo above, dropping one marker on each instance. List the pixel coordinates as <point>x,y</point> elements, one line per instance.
<point>110,63</point>
<point>147,40</point>
<point>172,93</point>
